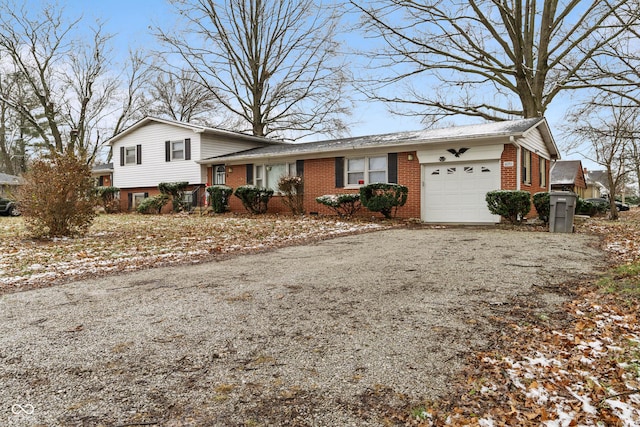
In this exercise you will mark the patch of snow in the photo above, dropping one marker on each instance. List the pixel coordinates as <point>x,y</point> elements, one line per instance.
<point>565,419</point>
<point>629,415</point>
<point>538,394</point>
<point>486,422</point>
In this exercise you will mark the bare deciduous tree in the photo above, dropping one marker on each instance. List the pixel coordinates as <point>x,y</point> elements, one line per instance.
<point>67,67</point>
<point>15,132</point>
<point>607,132</point>
<point>181,96</point>
<point>491,59</point>
<point>270,62</point>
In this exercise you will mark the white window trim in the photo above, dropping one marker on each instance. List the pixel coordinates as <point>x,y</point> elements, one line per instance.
<point>223,174</point>
<point>262,180</point>
<point>543,174</point>
<point>173,151</point>
<point>527,162</point>
<point>366,170</point>
<point>134,197</point>
<point>135,155</point>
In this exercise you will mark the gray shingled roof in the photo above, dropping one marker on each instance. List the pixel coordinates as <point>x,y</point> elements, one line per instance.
<point>493,129</point>
<point>565,172</point>
<point>102,167</point>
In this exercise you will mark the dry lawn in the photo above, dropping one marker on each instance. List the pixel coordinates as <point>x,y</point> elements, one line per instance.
<point>120,243</point>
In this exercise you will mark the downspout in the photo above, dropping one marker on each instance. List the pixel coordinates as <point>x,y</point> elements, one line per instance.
<point>518,164</point>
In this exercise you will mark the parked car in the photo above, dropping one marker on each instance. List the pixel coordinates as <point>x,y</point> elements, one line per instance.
<point>8,207</point>
<point>605,202</point>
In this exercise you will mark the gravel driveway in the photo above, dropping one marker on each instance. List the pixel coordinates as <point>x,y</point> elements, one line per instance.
<point>327,334</point>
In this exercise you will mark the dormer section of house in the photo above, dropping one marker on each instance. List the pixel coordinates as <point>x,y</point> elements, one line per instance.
<point>155,150</point>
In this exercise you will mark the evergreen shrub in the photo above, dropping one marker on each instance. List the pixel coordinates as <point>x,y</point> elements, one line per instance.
<point>254,199</point>
<point>219,197</point>
<point>383,198</point>
<point>542,203</point>
<point>176,190</point>
<point>153,205</point>
<point>513,205</point>
<point>108,197</point>
<point>345,205</point>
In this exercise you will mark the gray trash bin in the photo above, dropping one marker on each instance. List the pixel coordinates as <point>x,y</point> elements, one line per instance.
<point>561,212</point>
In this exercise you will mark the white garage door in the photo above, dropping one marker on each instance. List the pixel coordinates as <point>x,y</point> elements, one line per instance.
<point>455,192</point>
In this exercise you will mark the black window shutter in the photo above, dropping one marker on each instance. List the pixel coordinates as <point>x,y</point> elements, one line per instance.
<point>121,156</point>
<point>130,201</point>
<point>300,167</point>
<point>249,173</point>
<point>187,149</point>
<point>339,172</point>
<point>392,168</point>
<point>167,151</point>
<point>139,154</point>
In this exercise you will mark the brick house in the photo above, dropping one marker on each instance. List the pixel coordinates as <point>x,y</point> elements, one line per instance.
<point>568,175</point>
<point>448,171</point>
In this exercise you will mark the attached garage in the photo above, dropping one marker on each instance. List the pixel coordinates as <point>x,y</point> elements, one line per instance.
<point>455,192</point>
<point>455,181</point>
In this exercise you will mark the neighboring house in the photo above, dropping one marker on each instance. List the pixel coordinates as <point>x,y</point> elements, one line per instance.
<point>447,171</point>
<point>155,150</point>
<point>103,174</point>
<point>597,184</point>
<point>568,175</point>
<point>9,184</point>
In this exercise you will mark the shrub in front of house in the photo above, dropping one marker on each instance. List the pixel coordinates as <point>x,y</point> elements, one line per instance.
<point>513,205</point>
<point>254,199</point>
<point>584,207</point>
<point>108,197</point>
<point>176,190</point>
<point>292,189</point>
<point>542,203</point>
<point>152,205</point>
<point>219,197</point>
<point>383,198</point>
<point>58,196</point>
<point>345,205</point>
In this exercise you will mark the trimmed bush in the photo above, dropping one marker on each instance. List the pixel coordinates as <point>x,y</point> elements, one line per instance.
<point>108,197</point>
<point>510,204</point>
<point>58,197</point>
<point>292,188</point>
<point>176,190</point>
<point>345,205</point>
<point>542,203</point>
<point>383,198</point>
<point>219,197</point>
<point>254,199</point>
<point>153,205</point>
<point>584,207</point>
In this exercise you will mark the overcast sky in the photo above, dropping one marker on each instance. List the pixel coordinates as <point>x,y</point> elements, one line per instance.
<point>130,21</point>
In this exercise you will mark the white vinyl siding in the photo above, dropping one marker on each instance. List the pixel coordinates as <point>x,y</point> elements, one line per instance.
<point>154,168</point>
